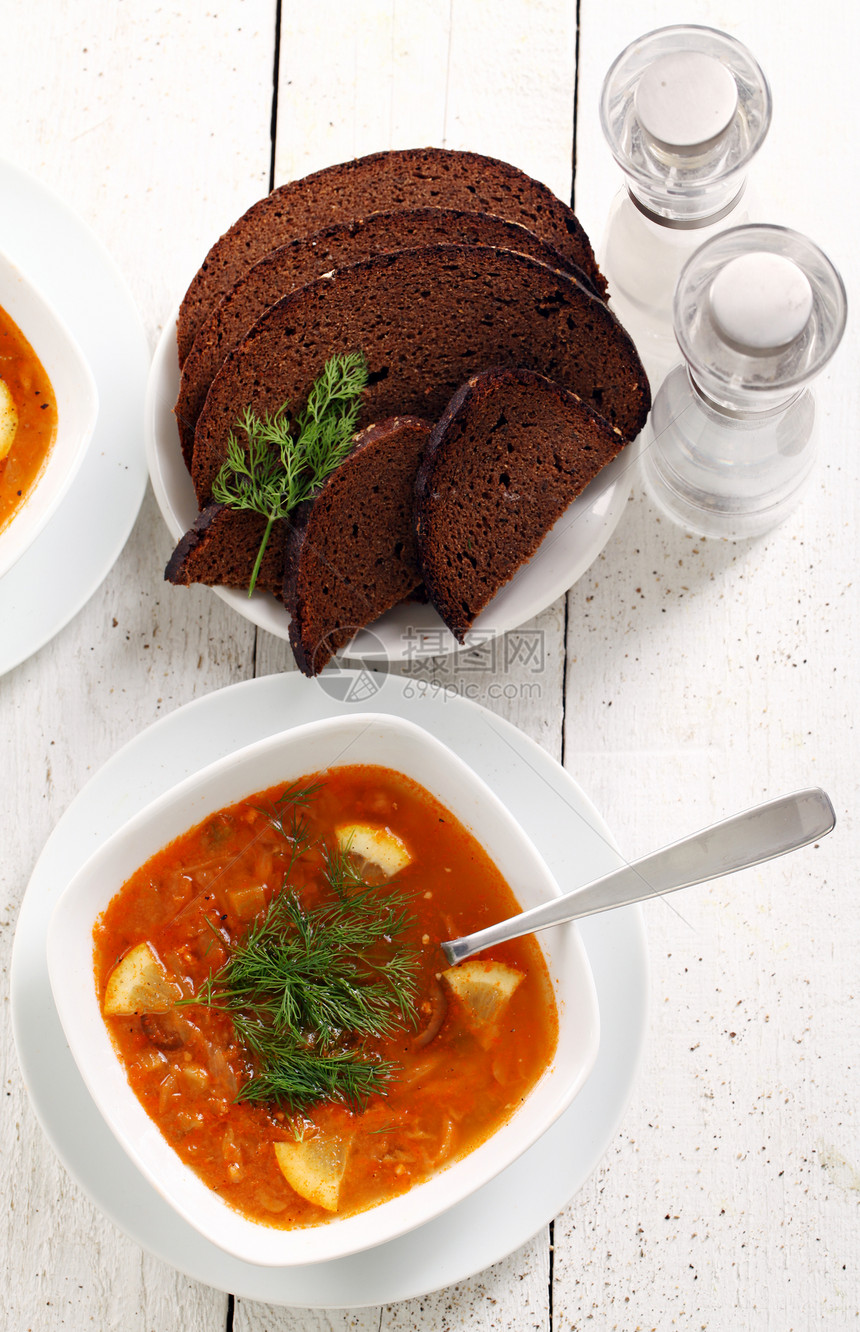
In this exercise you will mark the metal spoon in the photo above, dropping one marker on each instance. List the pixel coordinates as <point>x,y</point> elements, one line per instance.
<point>747,839</point>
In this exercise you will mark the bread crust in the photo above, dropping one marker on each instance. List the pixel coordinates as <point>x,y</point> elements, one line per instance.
<point>351,551</point>
<point>394,179</point>
<point>291,266</point>
<point>505,460</point>
<point>427,319</point>
<point>220,549</point>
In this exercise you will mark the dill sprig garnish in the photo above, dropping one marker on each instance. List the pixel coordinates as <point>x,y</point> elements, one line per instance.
<point>302,1077</point>
<point>306,987</point>
<point>290,803</point>
<point>281,463</point>
<point>341,871</point>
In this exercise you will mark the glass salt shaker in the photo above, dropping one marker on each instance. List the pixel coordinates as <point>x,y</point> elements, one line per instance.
<point>684,110</point>
<point>730,443</point>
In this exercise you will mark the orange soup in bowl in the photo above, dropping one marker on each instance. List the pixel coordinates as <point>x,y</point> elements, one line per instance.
<point>28,418</point>
<point>273,984</point>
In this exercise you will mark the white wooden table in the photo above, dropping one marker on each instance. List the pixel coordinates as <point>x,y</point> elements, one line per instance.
<point>683,679</point>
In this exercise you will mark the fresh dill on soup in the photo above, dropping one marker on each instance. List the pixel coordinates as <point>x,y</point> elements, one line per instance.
<point>273,984</point>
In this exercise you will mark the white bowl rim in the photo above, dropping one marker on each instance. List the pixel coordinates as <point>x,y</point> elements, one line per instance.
<point>258,1243</point>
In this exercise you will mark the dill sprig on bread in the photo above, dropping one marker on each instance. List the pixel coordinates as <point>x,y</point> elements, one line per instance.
<point>282,461</point>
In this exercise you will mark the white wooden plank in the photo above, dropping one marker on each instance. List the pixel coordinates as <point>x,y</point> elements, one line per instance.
<point>153,124</point>
<point>249,1315</point>
<point>507,1297</point>
<point>510,1295</point>
<point>511,82</point>
<point>358,79</point>
<point>702,677</point>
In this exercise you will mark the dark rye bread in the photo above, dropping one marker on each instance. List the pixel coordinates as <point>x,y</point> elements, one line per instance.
<point>509,455</point>
<point>351,551</point>
<point>221,550</point>
<point>407,178</point>
<point>426,320</point>
<point>308,257</point>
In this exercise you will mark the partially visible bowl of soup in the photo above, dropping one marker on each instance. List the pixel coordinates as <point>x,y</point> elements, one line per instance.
<point>250,979</point>
<point>48,412</point>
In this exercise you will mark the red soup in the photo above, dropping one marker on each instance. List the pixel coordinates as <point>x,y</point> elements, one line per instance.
<point>273,984</point>
<point>28,418</point>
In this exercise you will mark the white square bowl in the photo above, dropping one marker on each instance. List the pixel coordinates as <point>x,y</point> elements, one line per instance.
<point>77,407</point>
<point>363,738</point>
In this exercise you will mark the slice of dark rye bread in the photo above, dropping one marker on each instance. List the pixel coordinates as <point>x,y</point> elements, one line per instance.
<point>426,319</point>
<point>308,257</point>
<point>508,456</point>
<point>351,551</point>
<point>406,178</point>
<point>220,549</point>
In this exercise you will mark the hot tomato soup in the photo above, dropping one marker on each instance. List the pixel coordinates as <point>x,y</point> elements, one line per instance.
<point>28,418</point>
<point>274,987</point>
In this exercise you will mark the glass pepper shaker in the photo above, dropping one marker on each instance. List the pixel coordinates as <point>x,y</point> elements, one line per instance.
<point>730,443</point>
<point>684,110</point>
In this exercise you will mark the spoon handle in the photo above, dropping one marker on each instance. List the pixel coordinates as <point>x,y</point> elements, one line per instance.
<point>758,834</point>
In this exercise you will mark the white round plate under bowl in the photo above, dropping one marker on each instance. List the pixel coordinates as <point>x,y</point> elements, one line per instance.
<point>410,630</point>
<point>501,1216</point>
<point>61,570</point>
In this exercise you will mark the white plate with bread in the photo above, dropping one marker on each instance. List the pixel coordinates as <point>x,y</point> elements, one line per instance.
<point>478,313</point>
